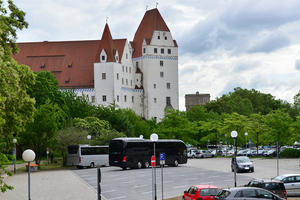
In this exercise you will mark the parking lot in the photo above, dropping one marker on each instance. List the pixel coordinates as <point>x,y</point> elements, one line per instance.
<point>137,183</point>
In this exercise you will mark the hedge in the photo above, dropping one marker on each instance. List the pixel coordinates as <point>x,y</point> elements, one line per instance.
<point>290,153</point>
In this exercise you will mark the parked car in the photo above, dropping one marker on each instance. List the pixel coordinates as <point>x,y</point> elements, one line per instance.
<point>193,153</point>
<point>205,154</point>
<point>246,193</point>
<point>242,163</point>
<point>275,186</point>
<point>204,192</point>
<point>270,152</point>
<point>291,183</point>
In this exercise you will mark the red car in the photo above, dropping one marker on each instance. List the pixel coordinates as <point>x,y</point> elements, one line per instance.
<point>201,192</point>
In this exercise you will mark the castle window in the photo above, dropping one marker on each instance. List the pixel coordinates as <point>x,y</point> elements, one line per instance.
<point>161,63</point>
<point>155,100</point>
<point>131,82</point>
<point>155,50</point>
<point>103,76</point>
<point>162,51</point>
<point>155,118</point>
<point>137,64</point>
<point>154,85</point>
<point>126,81</point>
<point>67,81</point>
<point>118,98</point>
<point>168,85</point>
<point>42,66</point>
<point>132,99</point>
<point>122,81</point>
<point>126,69</point>
<point>161,74</point>
<point>168,101</point>
<point>117,76</point>
<point>158,37</point>
<point>166,37</point>
<point>123,68</point>
<point>125,98</point>
<point>93,99</point>
<point>70,66</point>
<point>169,51</point>
<point>126,55</point>
<point>144,50</point>
<point>104,98</point>
<point>129,69</point>
<point>103,58</point>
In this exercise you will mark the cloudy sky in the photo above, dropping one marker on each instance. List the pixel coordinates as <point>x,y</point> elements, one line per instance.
<point>222,44</point>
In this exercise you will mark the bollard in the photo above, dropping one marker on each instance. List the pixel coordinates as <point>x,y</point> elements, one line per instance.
<point>98,183</point>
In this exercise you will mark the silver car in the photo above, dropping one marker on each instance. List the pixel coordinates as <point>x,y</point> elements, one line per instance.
<point>246,193</point>
<point>291,183</point>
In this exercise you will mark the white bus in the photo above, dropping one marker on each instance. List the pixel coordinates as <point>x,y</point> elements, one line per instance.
<point>87,156</point>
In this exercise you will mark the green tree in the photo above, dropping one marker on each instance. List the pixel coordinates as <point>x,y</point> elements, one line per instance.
<point>279,123</point>
<point>42,132</point>
<point>16,107</point>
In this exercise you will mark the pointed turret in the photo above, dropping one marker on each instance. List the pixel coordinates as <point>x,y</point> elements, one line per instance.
<point>107,44</point>
<point>152,21</point>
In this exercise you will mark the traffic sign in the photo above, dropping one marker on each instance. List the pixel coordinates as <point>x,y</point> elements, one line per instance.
<point>153,161</point>
<point>47,151</point>
<point>249,140</point>
<point>162,158</point>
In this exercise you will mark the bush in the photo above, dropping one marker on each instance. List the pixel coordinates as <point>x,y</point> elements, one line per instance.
<point>290,153</point>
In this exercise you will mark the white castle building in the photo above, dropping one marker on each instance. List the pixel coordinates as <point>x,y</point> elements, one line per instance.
<point>141,75</point>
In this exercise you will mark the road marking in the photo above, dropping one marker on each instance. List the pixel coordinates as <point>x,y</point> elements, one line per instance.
<point>138,186</point>
<point>182,186</point>
<point>147,192</point>
<point>122,197</point>
<point>108,191</point>
<point>228,180</point>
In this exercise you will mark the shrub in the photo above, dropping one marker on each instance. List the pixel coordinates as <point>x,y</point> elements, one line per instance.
<point>290,153</point>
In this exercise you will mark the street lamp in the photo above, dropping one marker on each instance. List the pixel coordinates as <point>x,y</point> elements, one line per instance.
<point>154,138</point>
<point>28,156</point>
<point>234,135</point>
<point>226,144</point>
<point>89,138</point>
<point>15,154</point>
<point>246,134</point>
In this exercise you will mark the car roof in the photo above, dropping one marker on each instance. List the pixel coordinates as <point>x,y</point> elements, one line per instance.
<point>266,180</point>
<point>205,186</point>
<point>286,175</point>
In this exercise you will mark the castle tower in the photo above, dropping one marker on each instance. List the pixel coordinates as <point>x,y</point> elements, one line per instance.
<point>155,53</point>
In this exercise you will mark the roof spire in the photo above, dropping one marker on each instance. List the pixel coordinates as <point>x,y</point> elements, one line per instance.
<point>107,19</point>
<point>156,4</point>
<point>146,7</point>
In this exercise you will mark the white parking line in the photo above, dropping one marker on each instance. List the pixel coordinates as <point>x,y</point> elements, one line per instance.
<point>108,191</point>
<point>182,186</point>
<point>138,186</point>
<point>147,192</point>
<point>122,197</point>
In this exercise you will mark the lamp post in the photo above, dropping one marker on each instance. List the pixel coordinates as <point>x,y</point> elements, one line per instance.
<point>234,135</point>
<point>246,134</point>
<point>154,138</point>
<point>226,144</point>
<point>28,156</point>
<point>89,138</point>
<point>15,154</point>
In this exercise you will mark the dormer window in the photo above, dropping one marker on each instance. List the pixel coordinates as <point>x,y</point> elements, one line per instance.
<point>117,58</point>
<point>70,66</point>
<point>158,37</point>
<point>144,50</point>
<point>43,66</point>
<point>166,37</point>
<point>103,58</point>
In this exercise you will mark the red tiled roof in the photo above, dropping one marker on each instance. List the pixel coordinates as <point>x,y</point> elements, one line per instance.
<point>72,62</point>
<point>151,21</point>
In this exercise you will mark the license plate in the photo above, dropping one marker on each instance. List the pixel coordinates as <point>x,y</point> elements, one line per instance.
<point>246,167</point>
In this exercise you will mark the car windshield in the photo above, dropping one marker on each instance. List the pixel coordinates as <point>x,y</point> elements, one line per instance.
<point>279,178</point>
<point>223,194</point>
<point>209,192</point>
<point>243,160</point>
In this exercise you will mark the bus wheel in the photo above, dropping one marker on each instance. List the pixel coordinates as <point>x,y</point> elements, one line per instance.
<point>92,165</point>
<point>79,167</point>
<point>176,163</point>
<point>139,165</point>
<point>146,164</point>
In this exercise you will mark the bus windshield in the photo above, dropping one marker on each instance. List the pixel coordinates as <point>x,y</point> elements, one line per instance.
<point>115,147</point>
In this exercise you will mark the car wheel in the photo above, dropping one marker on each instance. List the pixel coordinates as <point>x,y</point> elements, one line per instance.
<point>175,163</point>
<point>92,165</point>
<point>252,170</point>
<point>124,168</point>
<point>193,156</point>
<point>146,164</point>
<point>139,165</point>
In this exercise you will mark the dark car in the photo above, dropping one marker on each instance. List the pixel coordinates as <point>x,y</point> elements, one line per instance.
<point>242,163</point>
<point>275,186</point>
<point>246,193</point>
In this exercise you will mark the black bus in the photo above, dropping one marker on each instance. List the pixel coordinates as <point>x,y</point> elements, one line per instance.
<point>137,152</point>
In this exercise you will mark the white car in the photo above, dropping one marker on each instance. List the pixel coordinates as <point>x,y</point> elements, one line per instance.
<point>291,183</point>
<point>193,153</point>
